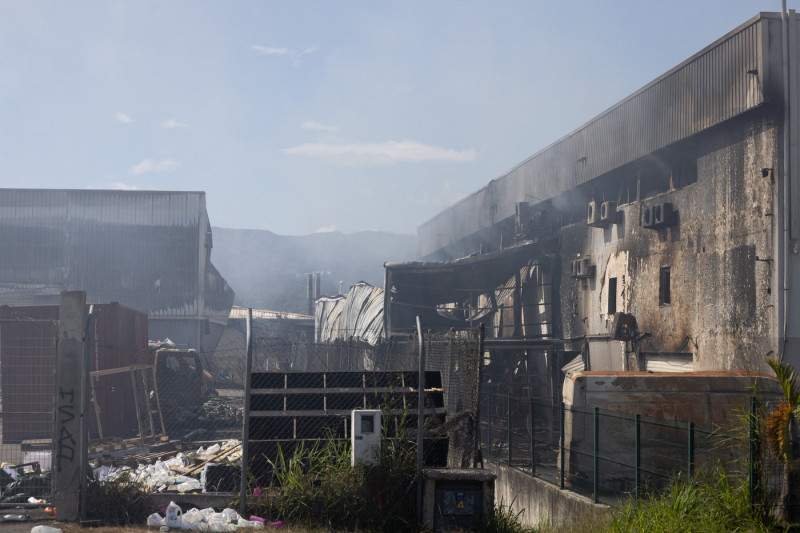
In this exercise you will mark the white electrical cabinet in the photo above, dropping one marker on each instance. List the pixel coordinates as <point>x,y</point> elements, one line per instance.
<point>366,436</point>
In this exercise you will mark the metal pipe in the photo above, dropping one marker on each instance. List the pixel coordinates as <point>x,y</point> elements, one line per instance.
<point>638,442</point>
<point>508,426</point>
<point>752,454</point>
<point>690,447</point>
<point>561,451</point>
<point>84,425</point>
<point>246,418</point>
<point>596,459</point>
<point>786,173</point>
<point>533,441</point>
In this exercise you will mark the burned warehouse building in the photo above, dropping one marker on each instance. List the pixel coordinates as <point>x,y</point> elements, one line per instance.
<point>661,234</point>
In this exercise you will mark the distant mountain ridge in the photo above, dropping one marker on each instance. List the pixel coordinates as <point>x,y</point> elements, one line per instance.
<point>267,270</point>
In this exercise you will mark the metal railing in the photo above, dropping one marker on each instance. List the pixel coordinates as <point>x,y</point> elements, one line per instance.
<point>605,455</point>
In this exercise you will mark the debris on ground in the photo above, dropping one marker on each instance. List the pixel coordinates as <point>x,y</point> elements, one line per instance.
<point>23,483</point>
<point>176,473</point>
<point>205,520</point>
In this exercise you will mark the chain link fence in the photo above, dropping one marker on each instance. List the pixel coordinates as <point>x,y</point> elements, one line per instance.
<point>164,416</point>
<point>27,416</point>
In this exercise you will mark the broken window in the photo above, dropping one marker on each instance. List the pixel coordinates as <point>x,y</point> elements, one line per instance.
<point>612,296</point>
<point>664,297</point>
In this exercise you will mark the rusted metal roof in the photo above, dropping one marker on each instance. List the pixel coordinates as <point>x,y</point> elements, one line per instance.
<point>729,77</point>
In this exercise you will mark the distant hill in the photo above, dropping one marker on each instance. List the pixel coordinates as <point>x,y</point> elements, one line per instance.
<point>267,270</point>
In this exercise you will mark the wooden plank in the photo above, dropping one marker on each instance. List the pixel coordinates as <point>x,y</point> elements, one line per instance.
<point>120,370</point>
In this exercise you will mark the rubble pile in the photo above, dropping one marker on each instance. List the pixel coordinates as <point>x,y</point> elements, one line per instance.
<point>173,474</point>
<point>218,412</point>
<point>19,486</point>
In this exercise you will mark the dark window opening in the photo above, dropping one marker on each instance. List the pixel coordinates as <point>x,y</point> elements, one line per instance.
<point>612,296</point>
<point>664,297</point>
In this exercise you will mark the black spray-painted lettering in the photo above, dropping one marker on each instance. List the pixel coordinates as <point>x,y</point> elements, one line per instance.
<point>66,442</point>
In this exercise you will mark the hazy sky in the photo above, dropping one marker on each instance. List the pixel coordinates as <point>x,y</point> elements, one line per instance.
<point>303,116</point>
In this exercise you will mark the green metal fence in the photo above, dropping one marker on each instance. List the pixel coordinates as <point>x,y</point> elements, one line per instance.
<point>610,456</point>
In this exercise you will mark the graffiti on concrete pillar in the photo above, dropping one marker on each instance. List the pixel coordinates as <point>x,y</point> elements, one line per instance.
<point>66,442</point>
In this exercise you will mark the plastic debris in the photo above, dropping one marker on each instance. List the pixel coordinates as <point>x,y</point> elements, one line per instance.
<point>16,517</point>
<point>155,519</point>
<point>45,529</point>
<point>163,475</point>
<point>208,519</point>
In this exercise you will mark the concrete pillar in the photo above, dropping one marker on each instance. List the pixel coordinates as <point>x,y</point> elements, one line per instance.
<point>68,439</point>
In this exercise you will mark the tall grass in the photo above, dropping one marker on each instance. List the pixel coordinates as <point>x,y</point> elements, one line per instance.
<point>711,504</point>
<point>316,485</point>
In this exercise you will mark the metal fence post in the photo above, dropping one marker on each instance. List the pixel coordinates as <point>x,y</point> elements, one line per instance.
<point>561,454</point>
<point>489,426</point>
<point>595,476</point>
<point>691,449</point>
<point>533,442</point>
<point>752,453</point>
<point>638,443</point>
<point>248,369</point>
<point>508,426</point>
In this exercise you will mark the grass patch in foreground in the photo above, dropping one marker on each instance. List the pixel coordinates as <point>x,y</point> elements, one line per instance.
<point>712,504</point>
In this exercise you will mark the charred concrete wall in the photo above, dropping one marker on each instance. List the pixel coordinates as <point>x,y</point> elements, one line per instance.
<point>704,284</point>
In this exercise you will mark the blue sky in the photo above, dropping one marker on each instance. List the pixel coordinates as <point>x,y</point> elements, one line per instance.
<point>303,116</point>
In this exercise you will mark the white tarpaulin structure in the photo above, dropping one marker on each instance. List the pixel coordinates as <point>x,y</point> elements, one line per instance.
<point>357,315</point>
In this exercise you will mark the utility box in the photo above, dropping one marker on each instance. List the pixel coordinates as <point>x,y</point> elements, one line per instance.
<point>366,436</point>
<point>456,499</point>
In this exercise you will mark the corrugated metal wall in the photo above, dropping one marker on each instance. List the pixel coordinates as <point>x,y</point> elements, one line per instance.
<point>139,248</point>
<point>720,82</point>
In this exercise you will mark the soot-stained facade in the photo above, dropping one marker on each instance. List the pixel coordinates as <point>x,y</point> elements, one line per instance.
<point>661,235</point>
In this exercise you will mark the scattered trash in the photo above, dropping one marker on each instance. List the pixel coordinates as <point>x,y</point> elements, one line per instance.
<point>50,511</point>
<point>208,519</point>
<point>16,517</point>
<point>173,474</point>
<point>45,529</point>
<point>155,520</point>
<point>173,518</point>
<point>277,525</point>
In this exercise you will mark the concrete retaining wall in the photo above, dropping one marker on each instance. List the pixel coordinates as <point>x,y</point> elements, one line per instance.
<point>537,501</point>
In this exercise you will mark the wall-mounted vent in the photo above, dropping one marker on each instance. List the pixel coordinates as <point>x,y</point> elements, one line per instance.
<point>658,216</point>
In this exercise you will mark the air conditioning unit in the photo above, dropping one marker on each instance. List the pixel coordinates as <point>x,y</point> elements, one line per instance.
<point>573,269</point>
<point>663,215</point>
<point>592,214</point>
<point>608,212</point>
<point>582,268</point>
<point>658,216</point>
<point>366,436</point>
